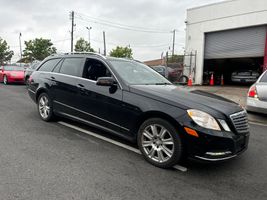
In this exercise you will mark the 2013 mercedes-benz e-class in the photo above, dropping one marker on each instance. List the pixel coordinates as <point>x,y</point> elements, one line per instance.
<point>129,99</point>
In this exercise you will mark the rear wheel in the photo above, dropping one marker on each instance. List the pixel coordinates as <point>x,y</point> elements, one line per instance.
<point>45,108</point>
<point>160,143</point>
<point>5,80</point>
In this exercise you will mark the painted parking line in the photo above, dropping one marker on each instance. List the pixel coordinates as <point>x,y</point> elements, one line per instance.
<point>257,123</point>
<point>177,167</point>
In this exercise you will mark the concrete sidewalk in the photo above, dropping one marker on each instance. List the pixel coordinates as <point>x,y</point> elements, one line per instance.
<point>237,94</point>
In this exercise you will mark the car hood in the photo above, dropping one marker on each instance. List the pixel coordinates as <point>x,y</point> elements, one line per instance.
<point>188,98</point>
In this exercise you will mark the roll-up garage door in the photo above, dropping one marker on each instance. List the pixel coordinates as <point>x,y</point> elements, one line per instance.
<point>238,43</point>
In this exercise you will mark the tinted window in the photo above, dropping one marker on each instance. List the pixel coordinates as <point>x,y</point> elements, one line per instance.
<point>49,65</point>
<point>264,78</point>
<point>57,68</point>
<point>72,66</point>
<point>94,69</point>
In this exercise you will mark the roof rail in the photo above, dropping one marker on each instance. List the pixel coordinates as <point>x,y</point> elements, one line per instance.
<point>77,53</point>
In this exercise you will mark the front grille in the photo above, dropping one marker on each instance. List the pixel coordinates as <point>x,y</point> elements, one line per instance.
<point>240,122</point>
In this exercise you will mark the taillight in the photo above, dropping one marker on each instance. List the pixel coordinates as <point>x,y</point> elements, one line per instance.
<point>30,79</point>
<point>252,92</point>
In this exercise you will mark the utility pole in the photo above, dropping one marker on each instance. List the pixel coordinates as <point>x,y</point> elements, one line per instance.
<point>20,45</point>
<point>72,28</point>
<point>104,39</point>
<point>173,42</point>
<point>89,28</point>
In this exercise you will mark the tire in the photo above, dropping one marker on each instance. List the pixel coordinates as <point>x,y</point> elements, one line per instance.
<point>5,80</point>
<point>151,143</point>
<point>26,80</point>
<point>44,106</point>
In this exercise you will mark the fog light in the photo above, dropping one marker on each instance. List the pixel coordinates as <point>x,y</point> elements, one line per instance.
<point>218,153</point>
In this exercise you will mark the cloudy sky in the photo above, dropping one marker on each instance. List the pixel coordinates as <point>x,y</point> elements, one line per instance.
<point>145,25</point>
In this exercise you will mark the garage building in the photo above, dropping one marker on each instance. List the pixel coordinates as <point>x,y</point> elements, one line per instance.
<point>227,37</point>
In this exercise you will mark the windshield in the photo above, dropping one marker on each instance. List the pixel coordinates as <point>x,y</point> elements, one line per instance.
<point>13,68</point>
<point>264,78</point>
<point>135,73</point>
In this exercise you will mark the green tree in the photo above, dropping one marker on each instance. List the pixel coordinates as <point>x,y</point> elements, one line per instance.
<point>38,49</point>
<point>83,46</point>
<point>5,53</point>
<point>121,52</point>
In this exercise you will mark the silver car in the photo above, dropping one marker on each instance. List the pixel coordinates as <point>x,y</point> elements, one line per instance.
<point>257,95</point>
<point>245,76</point>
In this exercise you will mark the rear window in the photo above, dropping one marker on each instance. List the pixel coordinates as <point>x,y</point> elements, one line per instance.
<point>49,65</point>
<point>264,78</point>
<point>72,66</point>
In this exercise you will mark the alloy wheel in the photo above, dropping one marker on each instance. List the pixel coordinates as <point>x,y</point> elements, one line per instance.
<point>157,143</point>
<point>44,108</point>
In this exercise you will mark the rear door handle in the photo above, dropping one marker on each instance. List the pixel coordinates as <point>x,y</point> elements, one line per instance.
<point>80,85</point>
<point>81,88</point>
<point>53,78</point>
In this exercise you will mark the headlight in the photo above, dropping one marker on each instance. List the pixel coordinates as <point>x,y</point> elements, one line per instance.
<point>203,119</point>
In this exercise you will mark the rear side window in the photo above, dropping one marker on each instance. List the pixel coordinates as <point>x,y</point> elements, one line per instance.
<point>264,78</point>
<point>49,65</point>
<point>72,66</point>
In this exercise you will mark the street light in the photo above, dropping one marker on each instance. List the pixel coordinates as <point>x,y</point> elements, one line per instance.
<point>20,45</point>
<point>89,28</point>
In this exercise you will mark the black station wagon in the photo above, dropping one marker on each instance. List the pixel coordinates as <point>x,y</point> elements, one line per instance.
<point>129,99</point>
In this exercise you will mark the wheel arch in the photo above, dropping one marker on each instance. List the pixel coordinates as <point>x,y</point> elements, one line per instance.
<point>40,91</point>
<point>157,114</point>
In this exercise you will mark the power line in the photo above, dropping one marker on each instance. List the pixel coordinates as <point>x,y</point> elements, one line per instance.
<point>117,25</point>
<point>122,25</point>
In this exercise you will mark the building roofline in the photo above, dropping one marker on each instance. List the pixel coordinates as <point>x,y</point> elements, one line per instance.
<point>212,4</point>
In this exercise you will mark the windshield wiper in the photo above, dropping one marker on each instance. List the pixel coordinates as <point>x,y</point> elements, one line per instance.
<point>162,84</point>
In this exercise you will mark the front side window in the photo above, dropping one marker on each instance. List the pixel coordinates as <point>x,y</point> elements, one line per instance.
<point>93,69</point>
<point>135,73</point>
<point>264,78</point>
<point>49,65</point>
<point>72,66</point>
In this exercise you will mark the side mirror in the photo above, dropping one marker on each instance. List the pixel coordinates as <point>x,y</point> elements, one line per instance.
<point>105,81</point>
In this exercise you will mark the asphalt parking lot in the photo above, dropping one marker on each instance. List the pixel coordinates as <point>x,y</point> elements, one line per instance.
<point>42,160</point>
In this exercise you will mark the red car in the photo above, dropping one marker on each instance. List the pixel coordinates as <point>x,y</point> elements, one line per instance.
<point>11,74</point>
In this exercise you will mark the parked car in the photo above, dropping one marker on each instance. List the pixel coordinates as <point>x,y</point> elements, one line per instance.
<point>161,70</point>
<point>11,74</point>
<point>257,95</point>
<point>245,76</point>
<point>30,69</point>
<point>129,99</point>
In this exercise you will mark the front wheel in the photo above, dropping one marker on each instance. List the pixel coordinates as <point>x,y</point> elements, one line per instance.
<point>45,109</point>
<point>160,143</point>
<point>5,80</point>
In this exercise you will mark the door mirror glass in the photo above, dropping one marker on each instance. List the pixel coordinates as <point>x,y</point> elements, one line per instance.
<point>105,81</point>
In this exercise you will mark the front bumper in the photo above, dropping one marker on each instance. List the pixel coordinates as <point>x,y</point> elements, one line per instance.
<point>256,105</point>
<point>217,148</point>
<point>16,79</point>
<point>212,145</point>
